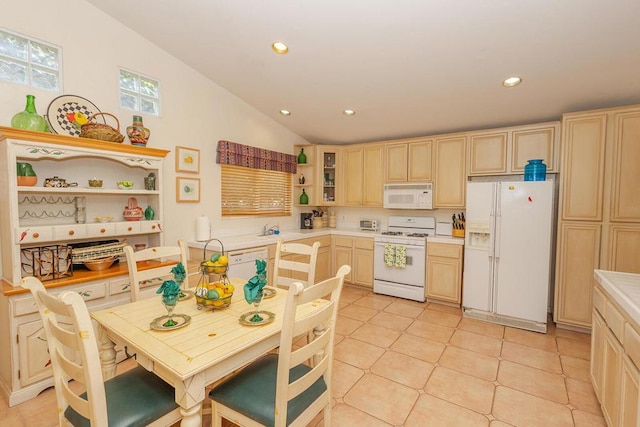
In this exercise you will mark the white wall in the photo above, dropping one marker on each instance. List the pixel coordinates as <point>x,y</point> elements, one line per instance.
<point>195,111</point>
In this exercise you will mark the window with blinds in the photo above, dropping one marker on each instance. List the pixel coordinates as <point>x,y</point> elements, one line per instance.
<point>256,192</point>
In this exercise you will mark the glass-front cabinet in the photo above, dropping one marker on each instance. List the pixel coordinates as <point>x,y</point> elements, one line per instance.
<point>329,175</point>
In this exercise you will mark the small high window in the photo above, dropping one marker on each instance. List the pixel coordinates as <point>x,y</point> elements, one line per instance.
<point>139,93</point>
<point>30,62</point>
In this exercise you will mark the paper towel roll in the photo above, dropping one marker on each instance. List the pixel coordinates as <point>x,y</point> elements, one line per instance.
<point>203,229</point>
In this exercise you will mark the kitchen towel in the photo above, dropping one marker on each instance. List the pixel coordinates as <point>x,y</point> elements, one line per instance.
<point>401,256</point>
<point>389,254</point>
<point>203,229</point>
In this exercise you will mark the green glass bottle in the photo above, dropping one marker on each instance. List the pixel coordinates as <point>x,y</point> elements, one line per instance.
<point>29,119</point>
<point>302,158</point>
<point>304,198</point>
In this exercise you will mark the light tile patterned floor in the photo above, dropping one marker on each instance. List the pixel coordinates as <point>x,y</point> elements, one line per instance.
<point>402,363</point>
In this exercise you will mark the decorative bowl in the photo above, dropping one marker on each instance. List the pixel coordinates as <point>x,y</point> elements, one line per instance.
<point>125,185</point>
<point>95,183</point>
<point>99,264</point>
<point>104,218</point>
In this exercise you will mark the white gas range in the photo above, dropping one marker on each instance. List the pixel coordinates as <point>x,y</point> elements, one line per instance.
<point>399,266</point>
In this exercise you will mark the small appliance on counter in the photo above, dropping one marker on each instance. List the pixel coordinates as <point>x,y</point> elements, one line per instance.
<point>306,221</point>
<point>368,225</point>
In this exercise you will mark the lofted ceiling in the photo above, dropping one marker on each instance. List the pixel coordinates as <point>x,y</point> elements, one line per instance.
<point>407,67</point>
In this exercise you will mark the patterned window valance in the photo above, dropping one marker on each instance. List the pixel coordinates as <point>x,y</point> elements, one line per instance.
<point>232,153</point>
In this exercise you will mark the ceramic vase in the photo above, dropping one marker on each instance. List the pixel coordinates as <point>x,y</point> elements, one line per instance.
<point>137,133</point>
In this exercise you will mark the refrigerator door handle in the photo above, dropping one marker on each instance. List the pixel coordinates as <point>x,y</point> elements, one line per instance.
<point>496,242</point>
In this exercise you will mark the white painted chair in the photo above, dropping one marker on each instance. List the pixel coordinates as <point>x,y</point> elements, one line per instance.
<point>139,273</point>
<point>295,262</point>
<point>134,398</point>
<point>248,398</point>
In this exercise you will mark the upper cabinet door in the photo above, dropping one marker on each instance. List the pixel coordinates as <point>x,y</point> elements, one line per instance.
<point>625,200</point>
<point>534,144</point>
<point>396,162</point>
<point>488,154</point>
<point>450,172</point>
<point>420,161</point>
<point>583,148</point>
<point>373,175</point>
<point>352,176</point>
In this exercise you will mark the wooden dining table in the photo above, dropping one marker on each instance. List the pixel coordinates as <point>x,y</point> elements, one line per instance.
<point>213,345</point>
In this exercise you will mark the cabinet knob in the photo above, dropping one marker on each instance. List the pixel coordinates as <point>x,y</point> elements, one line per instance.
<point>71,232</point>
<point>153,227</point>
<point>129,228</point>
<point>36,235</point>
<point>102,230</point>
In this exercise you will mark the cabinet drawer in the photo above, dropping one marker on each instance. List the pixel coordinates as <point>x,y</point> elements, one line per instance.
<point>97,230</point>
<point>632,344</point>
<point>150,226</point>
<point>598,301</point>
<point>444,250</point>
<point>344,241</point>
<point>34,234</point>
<point>74,231</point>
<point>119,286</point>
<point>363,244</point>
<point>26,304</point>
<point>615,321</point>
<point>131,227</point>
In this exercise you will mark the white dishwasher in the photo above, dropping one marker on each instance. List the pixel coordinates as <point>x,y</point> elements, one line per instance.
<point>242,262</point>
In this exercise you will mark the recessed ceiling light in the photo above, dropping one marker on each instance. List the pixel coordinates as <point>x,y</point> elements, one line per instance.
<point>280,47</point>
<point>512,81</point>
<point>348,112</point>
<point>285,112</point>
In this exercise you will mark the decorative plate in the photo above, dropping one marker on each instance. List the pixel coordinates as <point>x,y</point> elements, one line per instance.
<point>180,319</point>
<point>268,292</point>
<point>64,111</point>
<point>265,317</point>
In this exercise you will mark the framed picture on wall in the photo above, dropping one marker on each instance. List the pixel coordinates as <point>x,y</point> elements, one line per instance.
<point>187,160</point>
<point>187,190</point>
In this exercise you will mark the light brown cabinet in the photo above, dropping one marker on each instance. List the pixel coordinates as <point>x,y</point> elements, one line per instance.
<point>507,150</point>
<point>599,206</point>
<point>358,253</point>
<point>450,176</point>
<point>363,175</point>
<point>444,272</point>
<point>615,352</point>
<point>329,175</point>
<point>408,160</point>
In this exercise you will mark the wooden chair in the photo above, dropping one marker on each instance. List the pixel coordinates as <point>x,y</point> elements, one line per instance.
<point>248,397</point>
<point>295,262</point>
<point>134,398</point>
<point>161,254</point>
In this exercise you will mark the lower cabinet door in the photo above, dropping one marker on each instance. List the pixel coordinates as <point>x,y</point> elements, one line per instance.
<point>629,395</point>
<point>597,353</point>
<point>613,352</point>
<point>33,352</point>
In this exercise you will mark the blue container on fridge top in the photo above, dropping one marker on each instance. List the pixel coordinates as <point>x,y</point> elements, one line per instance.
<point>535,170</point>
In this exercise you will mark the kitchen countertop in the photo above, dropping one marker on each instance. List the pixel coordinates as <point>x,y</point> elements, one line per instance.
<point>624,288</point>
<point>253,241</point>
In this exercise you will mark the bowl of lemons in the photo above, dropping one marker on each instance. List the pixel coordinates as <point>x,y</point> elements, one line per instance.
<point>217,264</point>
<point>125,185</point>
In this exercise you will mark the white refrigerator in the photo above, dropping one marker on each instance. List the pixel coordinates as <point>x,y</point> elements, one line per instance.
<point>508,249</point>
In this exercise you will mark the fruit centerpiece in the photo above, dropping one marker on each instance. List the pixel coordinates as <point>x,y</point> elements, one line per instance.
<point>214,289</point>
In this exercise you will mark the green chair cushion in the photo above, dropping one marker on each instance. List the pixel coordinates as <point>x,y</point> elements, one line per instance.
<point>134,398</point>
<point>252,391</point>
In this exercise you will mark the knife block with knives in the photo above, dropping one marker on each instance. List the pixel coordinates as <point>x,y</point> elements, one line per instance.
<point>458,225</point>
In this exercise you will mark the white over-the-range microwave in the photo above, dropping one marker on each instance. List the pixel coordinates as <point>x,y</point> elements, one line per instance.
<point>415,195</point>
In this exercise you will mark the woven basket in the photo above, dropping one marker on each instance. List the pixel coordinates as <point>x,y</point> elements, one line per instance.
<point>100,131</point>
